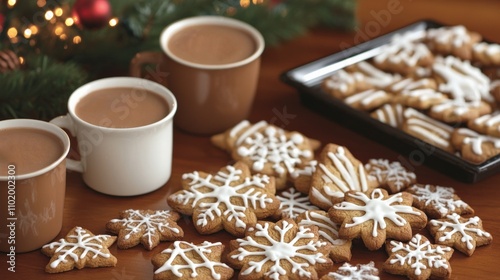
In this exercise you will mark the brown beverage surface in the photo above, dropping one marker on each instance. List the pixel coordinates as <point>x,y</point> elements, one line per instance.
<point>212,44</point>
<point>29,149</point>
<point>122,107</point>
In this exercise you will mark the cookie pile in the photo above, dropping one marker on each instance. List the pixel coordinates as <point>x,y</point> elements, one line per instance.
<point>432,84</point>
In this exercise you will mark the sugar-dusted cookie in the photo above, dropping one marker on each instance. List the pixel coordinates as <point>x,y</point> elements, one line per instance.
<point>404,53</point>
<point>349,272</point>
<point>369,99</point>
<point>475,147</point>
<point>377,216</point>
<point>391,176</point>
<point>302,175</point>
<point>281,250</point>
<point>438,201</point>
<point>417,93</point>
<point>341,83</point>
<point>428,129</point>
<point>452,40</point>
<point>293,203</point>
<point>338,171</point>
<point>147,227</point>
<point>486,54</point>
<point>267,149</point>
<point>418,259</point>
<point>373,75</point>
<point>391,114</point>
<point>329,232</point>
<point>463,234</point>
<point>488,124</point>
<point>184,260</point>
<point>79,248</point>
<point>232,199</point>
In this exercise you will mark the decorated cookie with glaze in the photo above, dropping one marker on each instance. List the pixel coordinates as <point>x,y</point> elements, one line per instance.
<point>338,171</point>
<point>78,249</point>
<point>281,250</point>
<point>488,124</point>
<point>147,227</point>
<point>354,272</point>
<point>475,147</point>
<point>232,199</point>
<point>342,84</point>
<point>452,40</point>
<point>184,260</point>
<point>369,99</point>
<point>418,259</point>
<point>390,114</point>
<point>391,176</point>
<point>267,149</point>
<point>373,75</point>
<point>293,203</point>
<point>377,216</point>
<point>486,54</point>
<point>417,93</point>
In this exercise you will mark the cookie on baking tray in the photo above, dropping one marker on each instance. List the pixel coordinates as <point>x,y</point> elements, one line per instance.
<point>369,99</point>
<point>350,272</point>
<point>232,199</point>
<point>438,201</point>
<point>337,172</point>
<point>267,149</point>
<point>418,259</point>
<point>463,234</point>
<point>373,75</point>
<point>391,176</point>
<point>391,114</point>
<point>377,216</point>
<point>147,227</point>
<point>475,147</point>
<point>488,124</point>
<point>417,93</point>
<point>486,54</point>
<point>341,84</point>
<point>329,232</point>
<point>78,249</point>
<point>281,250</point>
<point>184,260</point>
<point>452,40</point>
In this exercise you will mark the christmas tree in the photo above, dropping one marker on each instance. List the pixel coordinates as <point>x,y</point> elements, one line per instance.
<point>48,48</point>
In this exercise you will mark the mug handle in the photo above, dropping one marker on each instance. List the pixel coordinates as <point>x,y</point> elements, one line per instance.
<point>66,123</point>
<point>148,57</point>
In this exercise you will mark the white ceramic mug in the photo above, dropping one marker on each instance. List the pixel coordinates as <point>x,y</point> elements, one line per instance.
<point>121,161</point>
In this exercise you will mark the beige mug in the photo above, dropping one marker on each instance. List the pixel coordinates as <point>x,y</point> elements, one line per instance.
<point>32,184</point>
<point>211,64</point>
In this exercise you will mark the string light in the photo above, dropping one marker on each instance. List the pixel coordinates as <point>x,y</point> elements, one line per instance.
<point>246,3</point>
<point>11,3</point>
<point>113,22</point>
<point>77,40</point>
<point>49,15</point>
<point>27,33</point>
<point>58,12</point>
<point>69,21</point>
<point>12,32</point>
<point>41,3</point>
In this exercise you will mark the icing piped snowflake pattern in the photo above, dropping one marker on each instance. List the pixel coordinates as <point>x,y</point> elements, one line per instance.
<point>392,175</point>
<point>146,226</point>
<point>293,203</point>
<point>358,272</point>
<point>184,259</point>
<point>80,248</point>
<point>268,245</point>
<point>272,146</point>
<point>438,201</point>
<point>232,195</point>
<point>424,259</point>
<point>461,233</point>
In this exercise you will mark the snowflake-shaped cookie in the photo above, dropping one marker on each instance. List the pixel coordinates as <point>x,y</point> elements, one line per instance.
<point>281,250</point>
<point>232,199</point>
<point>377,217</point>
<point>293,203</point>
<point>418,259</point>
<point>148,227</point>
<point>349,272</point>
<point>438,201</point>
<point>338,171</point>
<point>329,232</point>
<point>80,248</point>
<point>267,149</point>
<point>463,234</point>
<point>391,176</point>
<point>302,175</point>
<point>184,260</point>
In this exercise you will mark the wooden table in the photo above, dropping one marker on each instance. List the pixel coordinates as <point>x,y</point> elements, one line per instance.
<point>278,103</point>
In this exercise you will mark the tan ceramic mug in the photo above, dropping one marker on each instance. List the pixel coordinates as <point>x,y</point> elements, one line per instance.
<point>211,64</point>
<point>32,184</point>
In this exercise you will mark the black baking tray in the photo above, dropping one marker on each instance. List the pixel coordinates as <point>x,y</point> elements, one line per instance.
<point>307,79</point>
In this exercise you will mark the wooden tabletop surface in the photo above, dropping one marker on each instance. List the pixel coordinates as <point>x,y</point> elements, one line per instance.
<point>280,104</point>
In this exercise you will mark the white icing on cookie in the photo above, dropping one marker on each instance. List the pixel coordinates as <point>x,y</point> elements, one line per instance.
<point>327,228</point>
<point>442,198</point>
<point>293,203</point>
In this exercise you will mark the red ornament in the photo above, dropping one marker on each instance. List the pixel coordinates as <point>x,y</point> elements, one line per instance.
<point>91,14</point>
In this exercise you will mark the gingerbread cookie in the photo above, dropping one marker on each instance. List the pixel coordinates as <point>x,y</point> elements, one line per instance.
<point>488,124</point>
<point>328,232</point>
<point>391,114</point>
<point>280,250</point>
<point>302,175</point>
<point>459,110</point>
<point>391,176</point>
<point>369,99</point>
<point>417,93</point>
<point>349,272</point>
<point>495,89</point>
<point>418,259</point>
<point>232,199</point>
<point>341,84</point>
<point>486,54</point>
<point>377,217</point>
<point>475,147</point>
<point>438,201</point>
<point>79,248</point>
<point>147,227</point>
<point>463,234</point>
<point>293,203</point>
<point>338,171</point>
<point>267,149</point>
<point>372,75</point>
<point>452,40</point>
